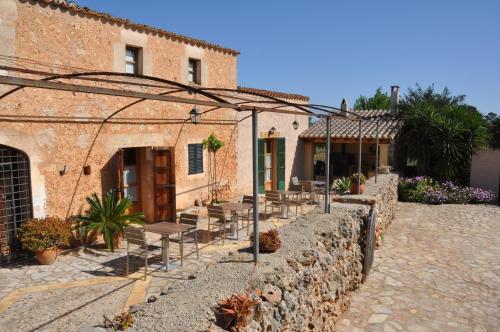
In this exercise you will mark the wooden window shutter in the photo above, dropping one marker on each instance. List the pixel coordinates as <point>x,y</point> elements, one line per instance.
<point>260,159</point>
<point>281,163</point>
<point>195,158</point>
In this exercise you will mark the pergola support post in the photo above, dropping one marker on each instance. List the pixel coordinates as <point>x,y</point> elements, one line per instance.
<point>255,185</point>
<point>376,152</point>
<point>360,147</point>
<point>327,170</point>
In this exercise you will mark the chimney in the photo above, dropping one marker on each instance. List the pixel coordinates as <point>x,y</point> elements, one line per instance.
<point>344,107</point>
<point>394,97</point>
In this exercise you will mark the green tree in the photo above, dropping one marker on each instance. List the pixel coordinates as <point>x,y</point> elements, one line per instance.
<point>440,133</point>
<point>379,101</point>
<point>493,124</point>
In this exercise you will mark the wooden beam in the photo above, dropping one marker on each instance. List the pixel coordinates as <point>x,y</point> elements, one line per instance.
<point>53,85</point>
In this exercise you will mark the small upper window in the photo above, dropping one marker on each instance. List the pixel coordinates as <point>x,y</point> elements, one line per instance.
<point>132,60</point>
<point>194,75</point>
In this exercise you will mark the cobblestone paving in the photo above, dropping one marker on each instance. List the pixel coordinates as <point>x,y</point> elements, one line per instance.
<point>438,270</point>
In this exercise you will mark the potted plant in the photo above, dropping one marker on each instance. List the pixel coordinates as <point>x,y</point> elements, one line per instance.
<point>213,144</point>
<point>44,236</point>
<point>268,241</point>
<point>235,312</point>
<point>109,218</point>
<point>343,185</point>
<point>354,183</point>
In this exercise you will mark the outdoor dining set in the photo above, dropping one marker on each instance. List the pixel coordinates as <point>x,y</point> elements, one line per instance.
<point>185,229</point>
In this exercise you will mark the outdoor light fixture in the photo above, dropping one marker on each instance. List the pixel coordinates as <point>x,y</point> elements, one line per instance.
<point>195,115</point>
<point>272,131</point>
<point>295,125</point>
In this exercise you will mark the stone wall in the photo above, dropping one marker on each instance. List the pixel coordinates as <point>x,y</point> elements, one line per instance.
<point>382,195</point>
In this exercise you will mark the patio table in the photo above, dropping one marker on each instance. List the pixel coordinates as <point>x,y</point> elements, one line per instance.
<point>165,229</point>
<point>286,194</point>
<point>235,208</point>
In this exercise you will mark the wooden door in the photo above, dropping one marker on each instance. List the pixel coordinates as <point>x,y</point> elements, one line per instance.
<point>164,184</point>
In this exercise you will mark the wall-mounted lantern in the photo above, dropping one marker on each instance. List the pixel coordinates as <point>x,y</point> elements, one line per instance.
<point>195,115</point>
<point>272,131</point>
<point>295,125</point>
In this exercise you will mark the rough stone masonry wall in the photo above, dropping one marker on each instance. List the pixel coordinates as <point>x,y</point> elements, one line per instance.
<point>382,195</point>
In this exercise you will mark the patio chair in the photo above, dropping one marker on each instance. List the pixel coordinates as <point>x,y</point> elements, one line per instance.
<point>273,200</point>
<point>136,236</point>
<point>308,191</point>
<point>216,213</point>
<point>188,236</point>
<point>247,199</point>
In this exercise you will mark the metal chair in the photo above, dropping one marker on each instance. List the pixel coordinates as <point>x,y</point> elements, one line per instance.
<point>273,200</point>
<point>217,212</point>
<point>136,236</point>
<point>187,219</point>
<point>247,199</point>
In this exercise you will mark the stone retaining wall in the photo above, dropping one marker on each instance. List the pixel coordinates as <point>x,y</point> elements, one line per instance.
<point>382,195</point>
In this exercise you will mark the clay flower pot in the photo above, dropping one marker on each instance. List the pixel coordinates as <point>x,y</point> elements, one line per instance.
<point>117,241</point>
<point>46,256</point>
<point>354,188</point>
<point>270,248</point>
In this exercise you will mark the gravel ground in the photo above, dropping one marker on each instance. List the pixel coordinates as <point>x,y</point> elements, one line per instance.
<point>187,307</point>
<point>83,307</point>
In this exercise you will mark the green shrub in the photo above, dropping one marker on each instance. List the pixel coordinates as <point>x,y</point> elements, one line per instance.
<point>44,233</point>
<point>342,185</point>
<point>108,217</point>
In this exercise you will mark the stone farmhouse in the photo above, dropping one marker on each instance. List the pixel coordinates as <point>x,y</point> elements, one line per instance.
<point>149,153</point>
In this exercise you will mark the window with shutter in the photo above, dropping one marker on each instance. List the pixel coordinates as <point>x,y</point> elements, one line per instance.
<point>195,159</point>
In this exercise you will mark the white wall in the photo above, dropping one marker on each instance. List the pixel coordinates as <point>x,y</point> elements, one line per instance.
<point>294,148</point>
<point>485,170</point>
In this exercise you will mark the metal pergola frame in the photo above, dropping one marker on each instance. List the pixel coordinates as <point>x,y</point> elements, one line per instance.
<point>216,98</point>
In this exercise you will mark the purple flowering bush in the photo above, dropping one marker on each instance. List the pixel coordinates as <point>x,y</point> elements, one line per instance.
<point>426,190</point>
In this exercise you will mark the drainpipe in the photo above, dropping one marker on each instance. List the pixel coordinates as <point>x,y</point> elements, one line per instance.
<point>327,184</point>
<point>376,153</point>
<point>359,159</point>
<point>255,185</point>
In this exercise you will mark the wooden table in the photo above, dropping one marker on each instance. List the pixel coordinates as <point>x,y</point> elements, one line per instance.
<point>286,194</point>
<point>235,208</point>
<point>165,229</point>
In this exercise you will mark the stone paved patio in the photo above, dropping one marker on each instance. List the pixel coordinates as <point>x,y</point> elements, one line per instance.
<point>438,270</point>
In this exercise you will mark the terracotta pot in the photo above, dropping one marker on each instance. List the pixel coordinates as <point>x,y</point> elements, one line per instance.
<point>271,248</point>
<point>46,256</point>
<point>354,188</point>
<point>117,241</point>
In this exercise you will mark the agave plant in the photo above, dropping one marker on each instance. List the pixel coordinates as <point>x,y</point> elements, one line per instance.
<point>342,185</point>
<point>108,217</point>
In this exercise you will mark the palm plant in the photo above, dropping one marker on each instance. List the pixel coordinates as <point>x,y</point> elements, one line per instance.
<point>440,132</point>
<point>343,184</point>
<point>108,217</point>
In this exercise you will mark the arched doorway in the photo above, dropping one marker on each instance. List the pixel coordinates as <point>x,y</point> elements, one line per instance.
<point>15,198</point>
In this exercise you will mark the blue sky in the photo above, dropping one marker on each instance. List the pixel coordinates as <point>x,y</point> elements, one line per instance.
<point>334,49</point>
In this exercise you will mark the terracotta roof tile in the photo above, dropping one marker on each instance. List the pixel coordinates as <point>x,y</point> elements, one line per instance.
<point>275,94</point>
<point>348,129</point>
<point>72,7</point>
